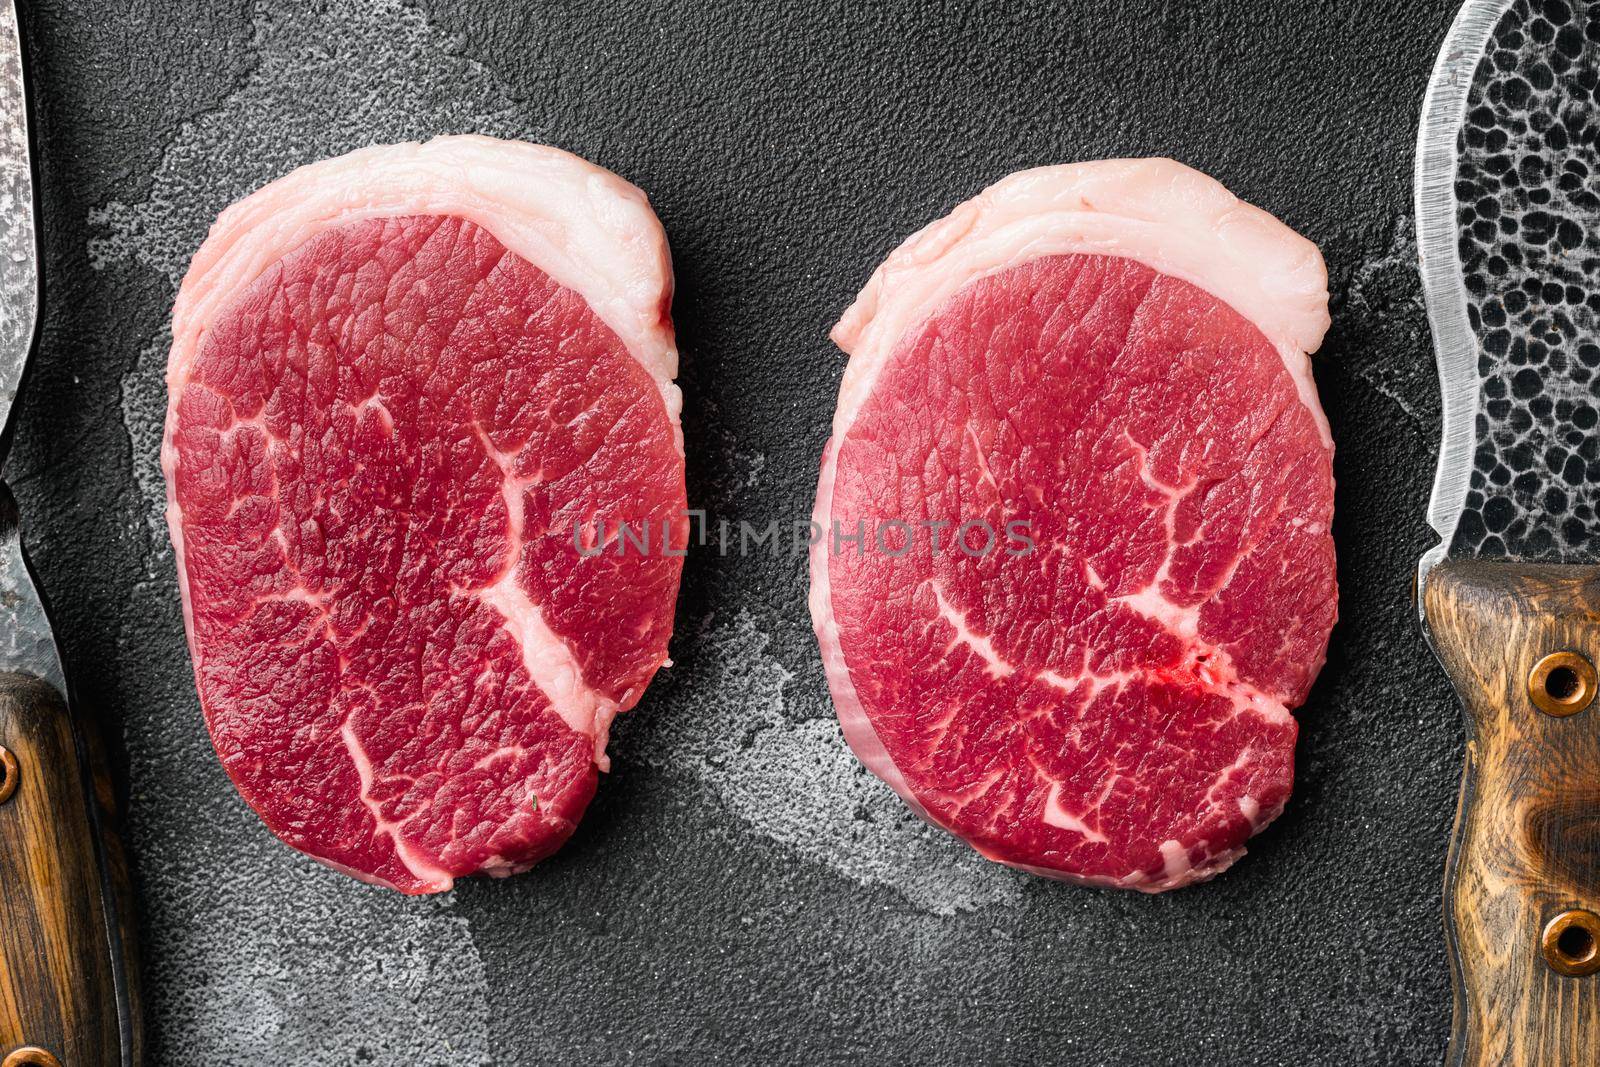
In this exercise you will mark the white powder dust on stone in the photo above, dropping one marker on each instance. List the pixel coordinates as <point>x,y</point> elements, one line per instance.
<point>296,967</point>
<point>738,726</point>
<point>262,959</point>
<point>329,77</point>
<point>1382,305</point>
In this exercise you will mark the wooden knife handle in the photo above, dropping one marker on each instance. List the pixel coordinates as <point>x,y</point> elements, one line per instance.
<point>63,990</point>
<point>1522,888</point>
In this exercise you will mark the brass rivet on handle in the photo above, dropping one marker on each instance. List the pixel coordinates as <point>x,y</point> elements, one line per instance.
<point>10,777</point>
<point>1571,943</point>
<point>31,1056</point>
<point>1563,683</point>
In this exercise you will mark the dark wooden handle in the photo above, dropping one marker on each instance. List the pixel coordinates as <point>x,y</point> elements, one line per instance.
<point>1522,891</point>
<point>63,988</point>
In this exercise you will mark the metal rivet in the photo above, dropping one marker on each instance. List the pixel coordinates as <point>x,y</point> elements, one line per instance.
<point>10,778</point>
<point>1563,683</point>
<point>1571,943</point>
<point>31,1056</point>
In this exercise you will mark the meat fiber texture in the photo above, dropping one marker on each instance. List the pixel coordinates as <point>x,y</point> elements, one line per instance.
<point>412,391</point>
<point>1104,364</point>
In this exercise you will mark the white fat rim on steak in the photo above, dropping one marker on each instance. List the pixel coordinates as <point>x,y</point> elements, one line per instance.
<point>1169,217</point>
<point>1158,212</point>
<point>589,230</point>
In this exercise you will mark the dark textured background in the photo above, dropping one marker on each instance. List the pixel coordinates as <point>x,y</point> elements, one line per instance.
<point>740,892</point>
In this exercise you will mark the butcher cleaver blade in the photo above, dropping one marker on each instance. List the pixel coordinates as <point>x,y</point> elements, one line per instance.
<point>65,984</point>
<point>1508,231</point>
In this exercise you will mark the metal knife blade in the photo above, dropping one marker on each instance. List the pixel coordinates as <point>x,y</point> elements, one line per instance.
<point>1508,222</point>
<point>67,989</point>
<point>19,243</point>
<point>27,643</point>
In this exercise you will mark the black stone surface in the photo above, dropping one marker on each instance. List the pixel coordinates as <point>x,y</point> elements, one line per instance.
<point>740,892</point>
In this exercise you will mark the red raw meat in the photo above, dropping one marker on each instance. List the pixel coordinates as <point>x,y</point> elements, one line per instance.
<point>397,382</point>
<point>1114,355</point>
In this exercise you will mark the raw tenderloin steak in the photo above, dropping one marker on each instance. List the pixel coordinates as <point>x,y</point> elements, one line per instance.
<point>1112,355</point>
<point>397,381</point>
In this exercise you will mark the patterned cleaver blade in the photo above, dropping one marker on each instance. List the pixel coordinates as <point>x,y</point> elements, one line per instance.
<point>1508,213</point>
<point>1508,223</point>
